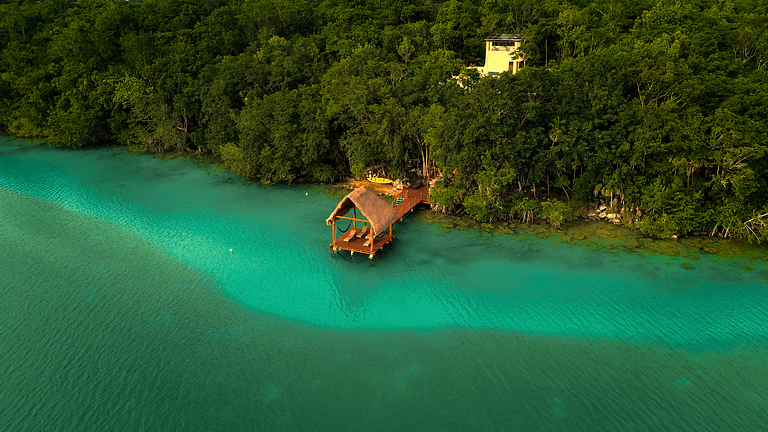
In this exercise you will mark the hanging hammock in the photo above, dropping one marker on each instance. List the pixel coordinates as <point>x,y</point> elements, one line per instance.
<point>344,230</point>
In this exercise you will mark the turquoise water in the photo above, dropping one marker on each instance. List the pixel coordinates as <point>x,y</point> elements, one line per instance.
<point>124,309</point>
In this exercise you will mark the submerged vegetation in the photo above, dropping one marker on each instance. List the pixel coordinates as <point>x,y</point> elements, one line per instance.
<point>655,108</point>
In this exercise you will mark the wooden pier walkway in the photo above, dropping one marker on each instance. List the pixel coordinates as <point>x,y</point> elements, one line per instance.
<point>409,198</point>
<point>368,233</point>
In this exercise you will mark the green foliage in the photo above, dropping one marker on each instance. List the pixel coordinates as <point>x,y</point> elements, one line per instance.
<point>755,229</point>
<point>524,209</point>
<point>446,196</point>
<point>284,135</point>
<point>659,106</point>
<point>487,202</point>
<point>236,159</point>
<point>323,173</point>
<point>669,211</point>
<point>556,212</point>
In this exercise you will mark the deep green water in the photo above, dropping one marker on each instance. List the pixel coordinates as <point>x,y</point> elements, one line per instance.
<point>122,308</point>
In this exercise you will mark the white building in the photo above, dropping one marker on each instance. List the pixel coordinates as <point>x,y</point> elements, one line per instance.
<point>501,54</point>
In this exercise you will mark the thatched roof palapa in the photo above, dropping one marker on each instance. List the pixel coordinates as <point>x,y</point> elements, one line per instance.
<point>380,214</point>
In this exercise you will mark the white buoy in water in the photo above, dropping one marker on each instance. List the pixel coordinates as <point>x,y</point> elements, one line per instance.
<point>307,193</point>
<point>230,250</point>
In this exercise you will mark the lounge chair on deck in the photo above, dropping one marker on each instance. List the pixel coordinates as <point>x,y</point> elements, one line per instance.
<point>351,235</point>
<point>363,231</point>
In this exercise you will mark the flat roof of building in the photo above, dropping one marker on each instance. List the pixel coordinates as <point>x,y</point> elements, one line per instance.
<point>504,37</point>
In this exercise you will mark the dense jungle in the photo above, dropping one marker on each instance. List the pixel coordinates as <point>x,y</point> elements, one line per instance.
<point>656,109</point>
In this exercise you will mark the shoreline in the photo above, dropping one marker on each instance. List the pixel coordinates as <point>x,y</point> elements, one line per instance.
<point>586,231</point>
<point>606,236</point>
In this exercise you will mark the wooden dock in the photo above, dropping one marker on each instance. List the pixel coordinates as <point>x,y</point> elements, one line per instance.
<point>369,235</point>
<point>409,198</point>
<point>350,242</point>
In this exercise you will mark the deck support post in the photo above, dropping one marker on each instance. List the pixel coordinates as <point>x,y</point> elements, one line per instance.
<point>373,238</point>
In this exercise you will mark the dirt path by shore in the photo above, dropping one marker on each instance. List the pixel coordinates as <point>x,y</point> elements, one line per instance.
<point>352,183</point>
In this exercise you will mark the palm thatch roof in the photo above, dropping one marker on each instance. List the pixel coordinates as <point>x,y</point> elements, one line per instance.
<point>380,214</point>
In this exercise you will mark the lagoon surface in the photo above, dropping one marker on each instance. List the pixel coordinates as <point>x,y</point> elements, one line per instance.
<point>122,308</point>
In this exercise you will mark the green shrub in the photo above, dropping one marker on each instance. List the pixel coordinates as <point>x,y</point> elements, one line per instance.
<point>235,159</point>
<point>556,212</point>
<point>524,209</point>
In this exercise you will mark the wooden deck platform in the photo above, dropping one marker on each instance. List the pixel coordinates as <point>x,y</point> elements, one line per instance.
<point>357,243</point>
<point>353,241</point>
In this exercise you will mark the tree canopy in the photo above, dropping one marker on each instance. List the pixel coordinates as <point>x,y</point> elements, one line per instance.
<point>653,107</point>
